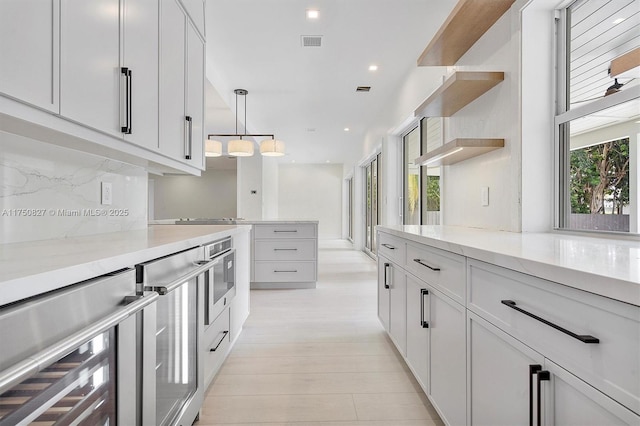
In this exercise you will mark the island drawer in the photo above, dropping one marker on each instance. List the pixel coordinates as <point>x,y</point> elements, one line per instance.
<point>285,249</point>
<point>391,247</point>
<point>442,269</point>
<point>276,231</point>
<point>217,339</point>
<point>285,271</point>
<point>594,337</point>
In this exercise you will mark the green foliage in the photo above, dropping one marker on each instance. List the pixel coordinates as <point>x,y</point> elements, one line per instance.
<point>599,173</point>
<point>433,193</point>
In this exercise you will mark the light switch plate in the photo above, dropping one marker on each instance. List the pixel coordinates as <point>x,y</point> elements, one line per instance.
<point>484,196</point>
<point>107,193</point>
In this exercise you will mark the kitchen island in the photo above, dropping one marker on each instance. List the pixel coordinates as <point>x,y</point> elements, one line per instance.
<point>479,316</point>
<point>31,268</point>
<point>112,311</point>
<point>284,252</point>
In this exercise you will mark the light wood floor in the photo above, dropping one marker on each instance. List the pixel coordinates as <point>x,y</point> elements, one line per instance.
<point>318,357</point>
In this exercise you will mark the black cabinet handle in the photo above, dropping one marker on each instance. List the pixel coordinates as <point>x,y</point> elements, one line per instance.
<point>423,292</point>
<point>294,270</point>
<point>127,73</point>
<point>582,337</point>
<point>224,334</point>
<point>386,268</point>
<point>534,369</point>
<point>542,375</point>
<point>293,230</point>
<point>285,249</point>
<point>188,137</point>
<point>433,268</point>
<point>389,246</point>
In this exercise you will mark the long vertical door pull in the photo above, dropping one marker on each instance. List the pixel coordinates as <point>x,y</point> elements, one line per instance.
<point>387,266</point>
<point>546,376</point>
<point>127,73</point>
<point>534,369</point>
<point>188,139</point>
<point>423,323</point>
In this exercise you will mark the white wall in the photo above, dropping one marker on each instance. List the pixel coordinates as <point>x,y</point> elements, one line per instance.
<point>249,193</point>
<point>500,113</point>
<point>47,191</point>
<point>212,195</point>
<point>313,192</point>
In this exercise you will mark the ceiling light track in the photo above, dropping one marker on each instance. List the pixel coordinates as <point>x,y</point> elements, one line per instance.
<point>240,147</point>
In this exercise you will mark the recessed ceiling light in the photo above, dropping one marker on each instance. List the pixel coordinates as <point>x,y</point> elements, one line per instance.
<point>328,161</point>
<point>373,68</point>
<point>346,129</point>
<point>312,14</point>
<point>293,161</point>
<point>617,21</point>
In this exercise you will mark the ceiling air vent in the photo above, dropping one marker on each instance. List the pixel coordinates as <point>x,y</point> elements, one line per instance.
<point>363,88</point>
<point>311,41</point>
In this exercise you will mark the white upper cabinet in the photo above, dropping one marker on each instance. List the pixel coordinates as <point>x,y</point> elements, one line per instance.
<point>90,63</point>
<point>172,79</point>
<point>181,87</point>
<point>29,47</point>
<point>195,96</point>
<point>140,58</point>
<point>195,10</point>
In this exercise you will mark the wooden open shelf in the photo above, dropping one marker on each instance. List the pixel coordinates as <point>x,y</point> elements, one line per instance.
<point>458,150</point>
<point>468,21</point>
<point>624,63</point>
<point>460,89</point>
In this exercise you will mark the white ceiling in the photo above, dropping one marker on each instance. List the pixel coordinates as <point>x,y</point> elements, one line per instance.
<point>306,96</point>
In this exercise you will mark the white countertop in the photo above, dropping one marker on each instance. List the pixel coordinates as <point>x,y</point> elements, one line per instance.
<point>608,267</point>
<point>35,267</point>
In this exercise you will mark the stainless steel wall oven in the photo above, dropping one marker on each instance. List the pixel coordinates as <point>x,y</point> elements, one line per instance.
<point>74,356</point>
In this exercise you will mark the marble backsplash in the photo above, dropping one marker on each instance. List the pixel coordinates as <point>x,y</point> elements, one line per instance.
<point>48,192</point>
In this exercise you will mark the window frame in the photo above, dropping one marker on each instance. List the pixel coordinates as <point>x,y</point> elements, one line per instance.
<point>563,115</point>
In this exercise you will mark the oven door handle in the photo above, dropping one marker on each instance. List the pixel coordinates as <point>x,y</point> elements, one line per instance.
<point>168,288</point>
<point>14,375</point>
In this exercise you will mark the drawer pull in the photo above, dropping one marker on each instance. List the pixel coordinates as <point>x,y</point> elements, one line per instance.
<point>294,270</point>
<point>285,249</point>
<point>423,292</point>
<point>224,334</point>
<point>278,231</point>
<point>389,246</point>
<point>582,337</point>
<point>435,269</point>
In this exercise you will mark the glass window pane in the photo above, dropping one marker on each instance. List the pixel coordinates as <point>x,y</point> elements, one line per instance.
<point>411,213</point>
<point>431,130</point>
<point>599,32</point>
<point>603,161</point>
<point>368,209</point>
<point>374,202</point>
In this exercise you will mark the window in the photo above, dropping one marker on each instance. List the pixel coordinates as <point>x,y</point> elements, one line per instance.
<point>421,185</point>
<point>597,119</point>
<point>350,209</point>
<point>371,195</point>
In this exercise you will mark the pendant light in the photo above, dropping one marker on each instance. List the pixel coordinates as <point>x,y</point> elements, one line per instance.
<point>241,147</point>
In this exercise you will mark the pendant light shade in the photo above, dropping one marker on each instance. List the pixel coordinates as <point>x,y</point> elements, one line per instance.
<point>212,148</point>
<point>272,148</point>
<point>240,148</point>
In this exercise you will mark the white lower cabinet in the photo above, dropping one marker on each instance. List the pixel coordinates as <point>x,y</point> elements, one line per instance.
<point>384,276</point>
<point>418,331</point>
<point>500,382</point>
<point>398,308</point>
<point>507,348</point>
<point>567,400</point>
<point>447,357</point>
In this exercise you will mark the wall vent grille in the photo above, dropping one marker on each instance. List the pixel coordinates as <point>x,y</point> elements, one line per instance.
<point>363,88</point>
<point>311,41</point>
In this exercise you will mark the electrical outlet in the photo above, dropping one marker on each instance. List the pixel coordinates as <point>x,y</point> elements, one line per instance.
<point>107,193</point>
<point>484,196</point>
